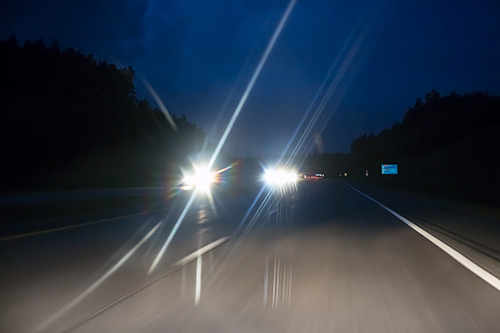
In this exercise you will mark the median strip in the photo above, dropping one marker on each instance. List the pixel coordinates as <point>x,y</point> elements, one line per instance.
<point>46,231</point>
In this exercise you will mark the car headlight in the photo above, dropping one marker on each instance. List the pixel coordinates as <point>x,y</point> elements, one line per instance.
<point>280,177</point>
<point>201,179</point>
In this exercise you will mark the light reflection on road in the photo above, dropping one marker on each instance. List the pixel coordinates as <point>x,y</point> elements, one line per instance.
<point>203,234</point>
<point>278,276</point>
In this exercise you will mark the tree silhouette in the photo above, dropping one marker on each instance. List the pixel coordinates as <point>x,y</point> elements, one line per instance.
<point>60,107</point>
<point>447,145</point>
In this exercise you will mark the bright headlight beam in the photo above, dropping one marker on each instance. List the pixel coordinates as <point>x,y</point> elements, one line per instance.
<point>258,208</point>
<point>200,180</point>
<point>280,177</point>
<point>237,111</point>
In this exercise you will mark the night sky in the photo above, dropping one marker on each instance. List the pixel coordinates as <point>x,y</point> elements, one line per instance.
<point>200,55</point>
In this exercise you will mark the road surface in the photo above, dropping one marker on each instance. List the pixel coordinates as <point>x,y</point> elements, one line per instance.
<point>326,258</point>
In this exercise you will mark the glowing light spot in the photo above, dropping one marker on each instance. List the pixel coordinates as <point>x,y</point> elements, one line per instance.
<point>280,177</point>
<point>200,180</point>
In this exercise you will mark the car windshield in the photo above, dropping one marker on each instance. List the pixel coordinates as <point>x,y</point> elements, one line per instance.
<point>250,166</point>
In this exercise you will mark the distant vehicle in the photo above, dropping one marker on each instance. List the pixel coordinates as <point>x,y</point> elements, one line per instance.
<point>318,176</point>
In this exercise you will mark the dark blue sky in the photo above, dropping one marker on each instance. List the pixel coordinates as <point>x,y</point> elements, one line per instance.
<point>199,57</point>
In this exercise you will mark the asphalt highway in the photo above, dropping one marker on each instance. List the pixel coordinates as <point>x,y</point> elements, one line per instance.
<point>321,258</point>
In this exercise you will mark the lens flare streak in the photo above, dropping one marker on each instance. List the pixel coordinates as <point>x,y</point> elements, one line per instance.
<point>255,75</point>
<point>223,139</point>
<point>158,100</point>
<point>315,124</point>
<point>172,233</point>
<point>97,283</point>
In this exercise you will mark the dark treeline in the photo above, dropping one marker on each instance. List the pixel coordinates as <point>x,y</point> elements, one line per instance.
<point>446,145</point>
<point>70,121</point>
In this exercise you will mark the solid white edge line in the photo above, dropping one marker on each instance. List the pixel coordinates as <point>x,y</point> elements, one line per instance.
<point>190,257</point>
<point>466,262</point>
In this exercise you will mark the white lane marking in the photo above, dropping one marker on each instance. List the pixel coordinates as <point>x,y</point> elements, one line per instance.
<point>278,284</point>
<point>46,231</point>
<point>198,281</point>
<point>183,282</point>
<point>266,278</point>
<point>285,279</point>
<point>466,262</point>
<point>290,285</point>
<point>190,257</point>
<point>274,286</point>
